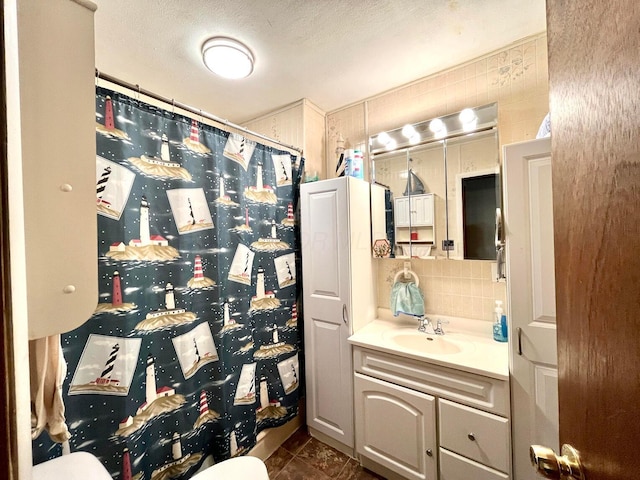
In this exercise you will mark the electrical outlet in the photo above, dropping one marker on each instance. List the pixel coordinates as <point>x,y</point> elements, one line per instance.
<point>447,245</point>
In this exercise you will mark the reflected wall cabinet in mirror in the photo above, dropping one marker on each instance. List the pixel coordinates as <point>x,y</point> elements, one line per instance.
<point>436,189</point>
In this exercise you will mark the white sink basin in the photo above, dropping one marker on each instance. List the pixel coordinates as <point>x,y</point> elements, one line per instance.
<point>412,339</point>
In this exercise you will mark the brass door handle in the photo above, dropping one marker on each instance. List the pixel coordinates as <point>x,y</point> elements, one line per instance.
<point>549,465</point>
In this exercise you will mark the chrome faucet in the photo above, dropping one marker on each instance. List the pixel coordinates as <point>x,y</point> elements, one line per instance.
<point>424,325</point>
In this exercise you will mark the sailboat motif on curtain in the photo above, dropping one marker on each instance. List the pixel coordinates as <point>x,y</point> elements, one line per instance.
<point>193,347</point>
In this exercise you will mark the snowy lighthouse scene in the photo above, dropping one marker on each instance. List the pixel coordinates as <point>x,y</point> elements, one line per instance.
<point>192,349</point>
<point>270,243</point>
<point>117,305</point>
<point>190,209</point>
<point>239,149</point>
<point>160,165</point>
<point>192,142</point>
<point>157,402</point>
<point>147,246</point>
<point>168,316</point>
<point>106,366</point>
<point>260,193</point>
<point>113,186</point>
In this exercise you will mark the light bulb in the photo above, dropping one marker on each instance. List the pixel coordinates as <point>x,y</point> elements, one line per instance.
<point>467,116</point>
<point>408,131</point>
<point>384,138</point>
<point>436,125</point>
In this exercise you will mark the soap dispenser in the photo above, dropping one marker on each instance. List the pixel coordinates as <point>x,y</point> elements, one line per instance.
<point>499,323</point>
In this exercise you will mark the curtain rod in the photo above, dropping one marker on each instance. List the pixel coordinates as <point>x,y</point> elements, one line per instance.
<point>195,111</point>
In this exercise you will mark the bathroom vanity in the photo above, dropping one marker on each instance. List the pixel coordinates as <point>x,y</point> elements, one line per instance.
<point>432,407</point>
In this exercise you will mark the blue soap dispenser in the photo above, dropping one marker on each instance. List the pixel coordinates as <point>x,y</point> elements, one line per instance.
<point>499,323</point>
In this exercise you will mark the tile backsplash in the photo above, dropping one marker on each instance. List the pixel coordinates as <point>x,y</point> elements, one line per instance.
<point>457,288</point>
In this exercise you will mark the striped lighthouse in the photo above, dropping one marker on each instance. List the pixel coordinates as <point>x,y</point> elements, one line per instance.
<point>116,295</point>
<point>204,405</point>
<point>195,133</point>
<point>197,267</point>
<point>294,312</point>
<point>126,465</point>
<point>290,211</point>
<point>101,185</point>
<point>108,114</point>
<point>105,376</point>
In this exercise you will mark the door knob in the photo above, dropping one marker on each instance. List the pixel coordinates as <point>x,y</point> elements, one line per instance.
<point>549,465</point>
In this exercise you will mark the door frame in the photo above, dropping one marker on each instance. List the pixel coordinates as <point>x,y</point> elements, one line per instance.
<point>8,427</point>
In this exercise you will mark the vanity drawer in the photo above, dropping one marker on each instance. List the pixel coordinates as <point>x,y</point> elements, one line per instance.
<point>456,467</point>
<point>477,435</point>
<point>470,389</point>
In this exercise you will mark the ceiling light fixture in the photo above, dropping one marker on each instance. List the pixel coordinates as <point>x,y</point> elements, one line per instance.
<point>227,57</point>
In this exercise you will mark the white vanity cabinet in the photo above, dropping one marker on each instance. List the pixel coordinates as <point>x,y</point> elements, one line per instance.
<point>338,297</point>
<point>414,214</point>
<point>422,421</point>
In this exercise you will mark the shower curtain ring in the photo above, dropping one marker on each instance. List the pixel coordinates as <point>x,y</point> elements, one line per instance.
<point>173,105</point>
<point>138,87</point>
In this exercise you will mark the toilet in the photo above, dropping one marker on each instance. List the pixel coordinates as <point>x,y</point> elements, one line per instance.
<point>237,468</point>
<point>75,466</point>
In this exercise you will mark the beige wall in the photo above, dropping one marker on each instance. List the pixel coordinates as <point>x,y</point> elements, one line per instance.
<point>516,78</point>
<point>302,125</point>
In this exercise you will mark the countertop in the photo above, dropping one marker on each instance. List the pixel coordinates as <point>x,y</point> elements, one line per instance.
<point>479,354</point>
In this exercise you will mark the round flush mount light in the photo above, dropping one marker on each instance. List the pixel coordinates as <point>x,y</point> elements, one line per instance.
<point>227,57</point>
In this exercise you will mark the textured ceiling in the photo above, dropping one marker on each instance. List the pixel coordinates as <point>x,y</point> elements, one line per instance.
<point>333,52</point>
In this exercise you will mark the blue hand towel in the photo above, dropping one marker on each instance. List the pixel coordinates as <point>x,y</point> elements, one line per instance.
<point>407,298</point>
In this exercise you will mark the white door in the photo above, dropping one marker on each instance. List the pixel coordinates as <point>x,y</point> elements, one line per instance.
<point>325,267</point>
<point>531,290</point>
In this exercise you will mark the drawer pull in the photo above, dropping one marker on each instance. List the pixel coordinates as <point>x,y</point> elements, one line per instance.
<point>429,452</point>
<point>471,437</point>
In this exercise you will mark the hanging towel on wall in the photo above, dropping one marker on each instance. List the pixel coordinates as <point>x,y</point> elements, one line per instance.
<point>407,298</point>
<point>48,370</point>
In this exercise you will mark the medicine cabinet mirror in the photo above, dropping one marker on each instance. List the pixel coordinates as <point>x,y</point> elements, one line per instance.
<point>435,188</point>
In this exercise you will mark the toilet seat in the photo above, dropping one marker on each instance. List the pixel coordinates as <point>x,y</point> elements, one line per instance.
<point>237,468</point>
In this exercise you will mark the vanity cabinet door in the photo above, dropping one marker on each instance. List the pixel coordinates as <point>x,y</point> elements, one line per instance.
<point>401,212</point>
<point>475,434</point>
<point>396,428</point>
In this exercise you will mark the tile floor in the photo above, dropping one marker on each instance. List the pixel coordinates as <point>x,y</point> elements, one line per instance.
<point>302,457</point>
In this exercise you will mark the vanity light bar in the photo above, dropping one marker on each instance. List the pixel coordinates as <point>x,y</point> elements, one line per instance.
<point>466,121</point>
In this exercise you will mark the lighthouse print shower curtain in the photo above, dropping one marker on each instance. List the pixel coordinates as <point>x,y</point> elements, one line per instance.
<point>193,348</point>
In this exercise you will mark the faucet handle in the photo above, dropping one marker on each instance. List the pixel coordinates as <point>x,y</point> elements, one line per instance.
<point>439,323</point>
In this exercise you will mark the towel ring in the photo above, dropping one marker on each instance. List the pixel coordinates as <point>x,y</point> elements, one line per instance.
<point>406,272</point>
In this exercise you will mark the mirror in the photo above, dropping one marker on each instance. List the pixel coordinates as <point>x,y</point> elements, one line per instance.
<point>435,187</point>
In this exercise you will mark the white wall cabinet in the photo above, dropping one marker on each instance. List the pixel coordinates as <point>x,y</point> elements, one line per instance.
<point>58,152</point>
<point>414,214</point>
<point>338,298</point>
<point>397,435</point>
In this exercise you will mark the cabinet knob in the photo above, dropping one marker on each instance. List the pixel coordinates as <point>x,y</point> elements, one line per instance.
<point>429,452</point>
<point>471,437</point>
<point>69,289</point>
<point>65,187</point>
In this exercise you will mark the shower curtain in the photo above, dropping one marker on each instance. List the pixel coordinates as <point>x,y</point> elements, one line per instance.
<point>193,348</point>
